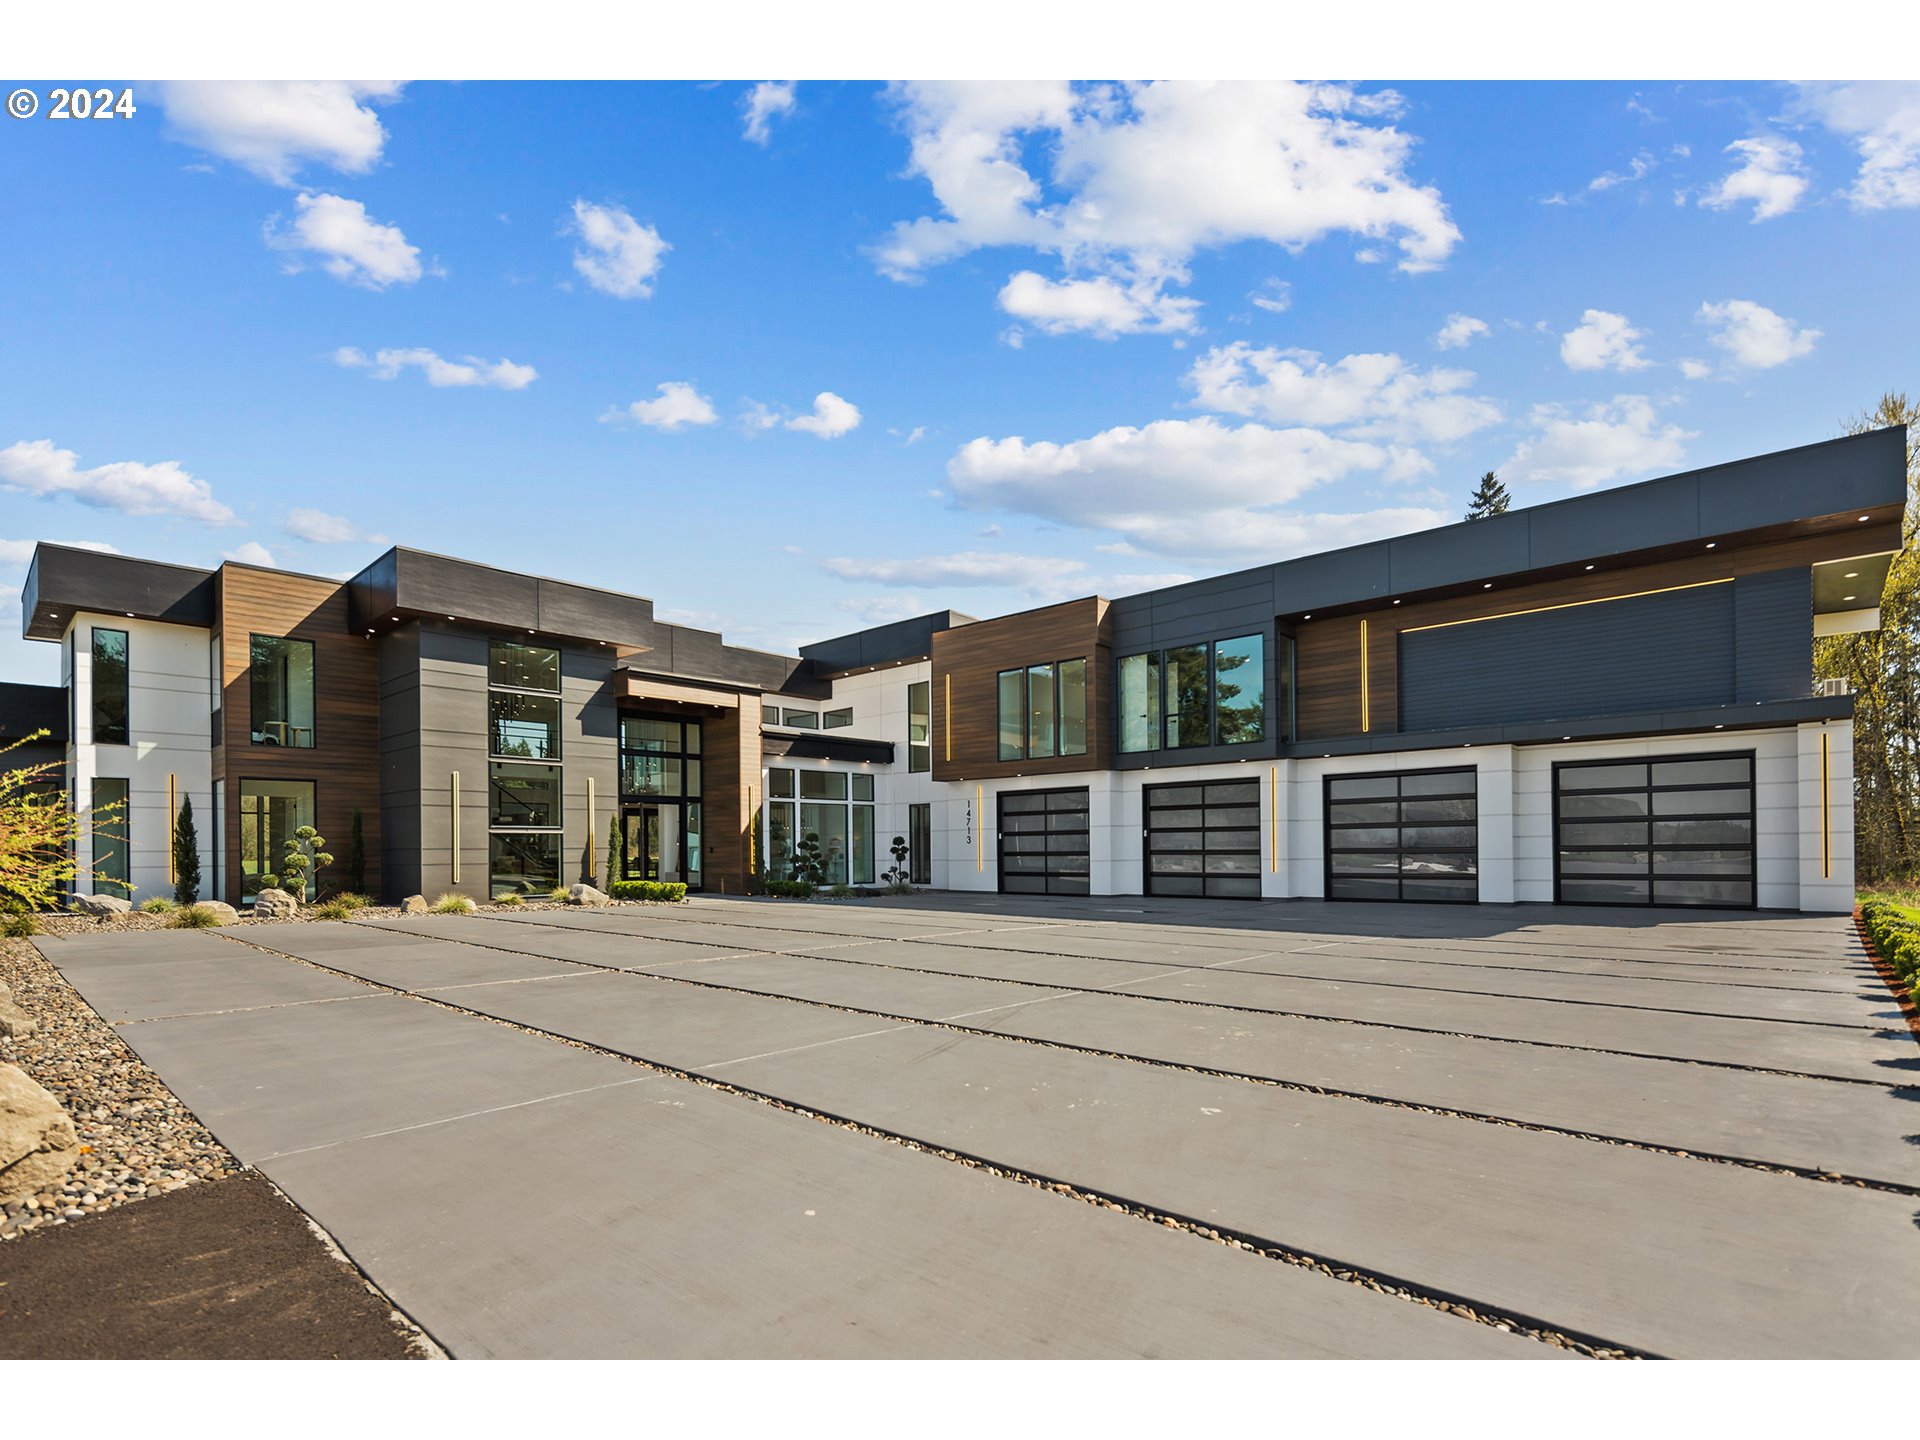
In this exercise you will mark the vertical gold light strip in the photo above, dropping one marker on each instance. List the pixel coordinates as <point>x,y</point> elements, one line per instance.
<point>1273,824</point>
<point>949,725</point>
<point>1366,712</point>
<point>456,827</point>
<point>1826,815</point>
<point>173,818</point>
<point>979,827</point>
<point>592,831</point>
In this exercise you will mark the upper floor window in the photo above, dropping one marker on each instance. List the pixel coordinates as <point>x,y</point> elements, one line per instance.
<point>1190,696</point>
<point>836,719</point>
<point>1043,710</point>
<point>280,682</point>
<point>920,725</point>
<point>110,725</point>
<point>523,727</point>
<point>801,719</point>
<point>514,666</point>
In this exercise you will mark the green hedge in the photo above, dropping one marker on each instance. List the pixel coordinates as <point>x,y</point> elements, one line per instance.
<point>647,890</point>
<point>1895,931</point>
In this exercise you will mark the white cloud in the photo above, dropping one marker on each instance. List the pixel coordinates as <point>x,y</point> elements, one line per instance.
<point>1620,438</point>
<point>1695,369</point>
<point>1273,295</point>
<point>252,553</point>
<point>768,99</point>
<point>1882,118</point>
<point>968,567</point>
<point>129,486</point>
<point>20,552</point>
<point>1753,336</point>
<point>1102,306</point>
<point>621,256</point>
<point>1459,332</point>
<point>1142,176</point>
<point>273,127</point>
<point>679,405</point>
<point>1770,175</point>
<point>830,419</point>
<point>909,437</point>
<point>1603,341</point>
<point>884,609</point>
<point>1378,395</point>
<point>351,244</point>
<point>320,528</point>
<point>1189,488</point>
<point>1637,170</point>
<point>441,374</point>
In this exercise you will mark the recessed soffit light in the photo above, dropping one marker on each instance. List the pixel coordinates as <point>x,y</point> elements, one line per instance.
<point>1851,575</point>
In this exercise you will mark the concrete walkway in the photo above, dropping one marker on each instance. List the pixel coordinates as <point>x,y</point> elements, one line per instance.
<point>653,1131</point>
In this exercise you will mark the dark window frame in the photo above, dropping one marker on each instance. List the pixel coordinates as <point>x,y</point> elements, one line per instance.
<point>1166,713</point>
<point>1399,823</point>
<point>1650,875</point>
<point>1025,672</point>
<point>1049,851</point>
<point>920,752</point>
<point>1206,827</point>
<point>126,685</point>
<point>559,668</point>
<point>313,663</point>
<point>239,792</point>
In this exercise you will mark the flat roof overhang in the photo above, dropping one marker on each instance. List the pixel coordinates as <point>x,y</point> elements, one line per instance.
<point>826,747</point>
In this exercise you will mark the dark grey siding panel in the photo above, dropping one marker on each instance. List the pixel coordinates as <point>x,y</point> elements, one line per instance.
<point>435,585</point>
<point>400,763</point>
<point>1614,521</point>
<point>1498,545</point>
<point>1645,653</point>
<point>453,738</point>
<point>1853,472</point>
<point>884,644</point>
<point>1362,572</point>
<point>1773,636</point>
<point>373,593</point>
<point>590,747</point>
<point>594,614</point>
<point>62,580</point>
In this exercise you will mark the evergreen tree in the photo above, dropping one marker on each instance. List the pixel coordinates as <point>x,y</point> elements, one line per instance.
<point>356,856</point>
<point>186,856</point>
<point>614,868</point>
<point>1491,498</point>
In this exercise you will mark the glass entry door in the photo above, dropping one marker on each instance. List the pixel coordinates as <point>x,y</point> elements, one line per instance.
<point>655,843</point>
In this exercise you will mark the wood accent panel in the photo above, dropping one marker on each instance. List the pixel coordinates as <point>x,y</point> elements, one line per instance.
<point>344,762</point>
<point>1327,661</point>
<point>971,658</point>
<point>729,792</point>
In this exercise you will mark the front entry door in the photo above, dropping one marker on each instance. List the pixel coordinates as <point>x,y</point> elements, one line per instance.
<point>653,843</point>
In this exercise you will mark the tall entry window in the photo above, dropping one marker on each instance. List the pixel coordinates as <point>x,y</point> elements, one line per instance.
<point>1043,710</point>
<point>110,723</point>
<point>280,684</point>
<point>920,726</point>
<point>525,814</point>
<point>270,811</point>
<point>660,802</point>
<point>112,859</point>
<point>1190,696</point>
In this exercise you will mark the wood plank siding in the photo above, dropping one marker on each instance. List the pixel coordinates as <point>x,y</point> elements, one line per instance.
<point>344,762</point>
<point>967,662</point>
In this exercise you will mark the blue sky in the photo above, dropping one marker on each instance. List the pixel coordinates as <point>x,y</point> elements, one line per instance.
<point>969,346</point>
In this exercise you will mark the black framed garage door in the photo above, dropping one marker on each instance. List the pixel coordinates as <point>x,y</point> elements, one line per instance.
<point>1204,839</point>
<point>1043,842</point>
<point>1673,831</point>
<point>1404,835</point>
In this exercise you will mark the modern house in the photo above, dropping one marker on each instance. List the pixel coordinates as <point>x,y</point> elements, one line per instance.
<point>1603,700</point>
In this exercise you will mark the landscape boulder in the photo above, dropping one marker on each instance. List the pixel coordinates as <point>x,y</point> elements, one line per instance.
<point>274,904</point>
<point>15,1023</point>
<point>103,907</point>
<point>37,1140</point>
<point>224,914</point>
<point>414,905</point>
<point>586,895</point>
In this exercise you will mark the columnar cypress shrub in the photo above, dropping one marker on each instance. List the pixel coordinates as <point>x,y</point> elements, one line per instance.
<point>186,856</point>
<point>616,872</point>
<point>356,856</point>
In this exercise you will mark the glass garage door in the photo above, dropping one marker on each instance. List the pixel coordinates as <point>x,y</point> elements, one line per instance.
<point>1409,835</point>
<point>1204,839</point>
<point>1043,842</point>
<point>1659,832</point>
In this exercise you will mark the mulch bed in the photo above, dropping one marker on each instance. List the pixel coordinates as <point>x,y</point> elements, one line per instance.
<point>223,1270</point>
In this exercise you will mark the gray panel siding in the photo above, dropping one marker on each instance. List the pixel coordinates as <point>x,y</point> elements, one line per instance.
<point>400,763</point>
<point>1645,653</point>
<point>1773,636</point>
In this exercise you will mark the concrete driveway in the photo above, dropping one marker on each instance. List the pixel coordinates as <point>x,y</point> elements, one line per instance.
<point>975,1126</point>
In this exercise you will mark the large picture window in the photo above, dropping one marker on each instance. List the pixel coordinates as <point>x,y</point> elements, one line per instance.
<point>834,807</point>
<point>513,666</point>
<point>110,716</point>
<point>1043,710</point>
<point>523,727</point>
<point>920,726</point>
<point>270,811</point>
<point>280,686</point>
<point>1190,696</point>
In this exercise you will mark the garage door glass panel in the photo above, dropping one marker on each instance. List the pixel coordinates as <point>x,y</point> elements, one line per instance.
<point>1415,836</point>
<point>1203,840</point>
<point>1043,842</point>
<point>1696,849</point>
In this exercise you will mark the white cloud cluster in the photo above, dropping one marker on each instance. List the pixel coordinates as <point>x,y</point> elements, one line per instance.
<point>1273,295</point>
<point>1754,337</point>
<point>320,528</point>
<point>1378,396</point>
<point>618,256</point>
<point>351,245</point>
<point>440,373</point>
<point>763,103</point>
<point>129,486</point>
<point>1101,305</point>
<point>1770,175</point>
<point>831,417</point>
<point>1603,341</point>
<point>1144,175</point>
<point>677,406</point>
<point>1459,332</point>
<point>1623,437</point>
<point>251,553</point>
<point>273,127</point>
<point>1637,169</point>
<point>1882,118</point>
<point>968,567</point>
<point>1190,488</point>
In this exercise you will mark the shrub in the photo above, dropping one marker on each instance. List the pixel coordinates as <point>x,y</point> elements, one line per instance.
<point>647,890</point>
<point>352,899</point>
<point>790,889</point>
<point>186,856</point>
<point>332,910</point>
<point>507,900</point>
<point>843,892</point>
<point>192,917</point>
<point>451,904</point>
<point>559,893</point>
<point>19,925</point>
<point>157,905</point>
<point>1895,932</point>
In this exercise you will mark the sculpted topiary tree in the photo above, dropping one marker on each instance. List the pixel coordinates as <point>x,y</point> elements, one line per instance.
<point>300,867</point>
